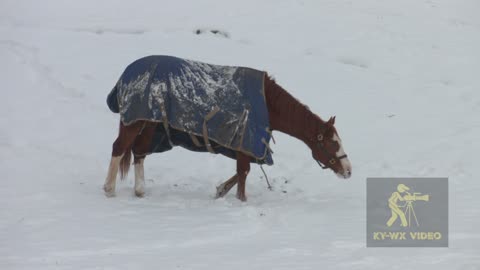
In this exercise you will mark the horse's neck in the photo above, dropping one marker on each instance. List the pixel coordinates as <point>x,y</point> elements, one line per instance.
<point>287,114</point>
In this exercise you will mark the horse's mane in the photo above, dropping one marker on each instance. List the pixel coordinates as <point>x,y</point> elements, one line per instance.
<point>295,115</point>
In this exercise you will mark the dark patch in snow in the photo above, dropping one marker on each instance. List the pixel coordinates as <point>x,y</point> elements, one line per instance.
<point>309,52</point>
<point>446,82</point>
<point>216,32</point>
<point>87,76</point>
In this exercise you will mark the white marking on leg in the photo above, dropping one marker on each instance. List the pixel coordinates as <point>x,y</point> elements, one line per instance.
<point>345,162</point>
<point>139,179</point>
<point>110,182</point>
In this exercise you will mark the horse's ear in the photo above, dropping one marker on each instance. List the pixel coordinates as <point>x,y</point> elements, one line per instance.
<point>331,121</point>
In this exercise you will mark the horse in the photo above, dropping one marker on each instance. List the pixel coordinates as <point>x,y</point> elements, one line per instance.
<point>285,114</point>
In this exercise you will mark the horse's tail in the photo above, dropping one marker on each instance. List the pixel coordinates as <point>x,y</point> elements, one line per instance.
<point>125,163</point>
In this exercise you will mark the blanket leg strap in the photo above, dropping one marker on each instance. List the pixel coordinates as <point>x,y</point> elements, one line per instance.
<point>195,140</point>
<point>205,130</point>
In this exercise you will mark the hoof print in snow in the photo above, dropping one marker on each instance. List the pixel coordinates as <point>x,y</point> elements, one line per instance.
<point>353,62</point>
<point>216,32</point>
<point>118,31</point>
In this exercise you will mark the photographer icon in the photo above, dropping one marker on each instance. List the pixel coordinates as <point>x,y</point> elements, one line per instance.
<point>409,211</point>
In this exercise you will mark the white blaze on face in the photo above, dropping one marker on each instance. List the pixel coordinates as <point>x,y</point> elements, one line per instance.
<point>346,165</point>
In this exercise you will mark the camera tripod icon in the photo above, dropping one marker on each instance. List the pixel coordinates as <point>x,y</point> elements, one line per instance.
<point>409,211</point>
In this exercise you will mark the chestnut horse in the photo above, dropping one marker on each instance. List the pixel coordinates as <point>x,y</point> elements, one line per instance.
<point>286,114</point>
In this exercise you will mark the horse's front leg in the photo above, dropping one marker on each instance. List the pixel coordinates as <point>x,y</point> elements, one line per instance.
<point>243,168</point>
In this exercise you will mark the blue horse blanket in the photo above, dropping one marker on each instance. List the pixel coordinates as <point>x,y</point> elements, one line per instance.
<point>202,107</point>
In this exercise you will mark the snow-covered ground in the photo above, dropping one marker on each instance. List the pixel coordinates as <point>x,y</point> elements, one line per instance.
<point>401,76</point>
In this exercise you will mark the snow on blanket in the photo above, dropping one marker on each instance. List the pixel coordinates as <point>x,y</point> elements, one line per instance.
<point>195,100</point>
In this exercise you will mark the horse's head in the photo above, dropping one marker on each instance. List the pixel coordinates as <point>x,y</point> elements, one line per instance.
<point>328,151</point>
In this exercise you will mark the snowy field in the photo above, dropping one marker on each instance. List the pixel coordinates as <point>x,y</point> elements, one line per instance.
<point>401,76</point>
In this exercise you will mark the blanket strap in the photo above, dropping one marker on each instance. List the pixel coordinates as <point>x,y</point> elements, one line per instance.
<point>205,130</point>
<point>269,131</point>
<point>195,140</point>
<point>267,145</point>
<point>240,122</point>
<point>165,122</point>
<point>244,124</point>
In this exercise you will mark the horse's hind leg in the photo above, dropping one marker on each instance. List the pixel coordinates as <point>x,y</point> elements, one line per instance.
<point>141,148</point>
<point>225,187</point>
<point>121,155</point>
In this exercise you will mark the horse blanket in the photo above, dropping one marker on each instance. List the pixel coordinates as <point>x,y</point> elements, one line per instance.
<point>202,107</point>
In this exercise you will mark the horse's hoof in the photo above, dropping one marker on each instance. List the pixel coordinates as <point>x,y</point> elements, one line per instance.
<point>109,191</point>
<point>242,197</point>
<point>110,194</point>
<point>219,194</point>
<point>139,193</point>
